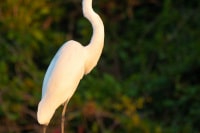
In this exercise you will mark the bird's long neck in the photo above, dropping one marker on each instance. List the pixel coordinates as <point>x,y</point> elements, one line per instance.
<point>97,41</point>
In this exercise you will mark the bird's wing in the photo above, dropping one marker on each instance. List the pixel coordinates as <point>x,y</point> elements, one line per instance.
<point>65,70</point>
<point>49,71</point>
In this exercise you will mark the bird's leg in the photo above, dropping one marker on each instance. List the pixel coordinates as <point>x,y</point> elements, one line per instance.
<point>63,117</point>
<point>44,128</point>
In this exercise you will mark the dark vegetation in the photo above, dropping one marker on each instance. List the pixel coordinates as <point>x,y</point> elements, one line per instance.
<point>147,80</point>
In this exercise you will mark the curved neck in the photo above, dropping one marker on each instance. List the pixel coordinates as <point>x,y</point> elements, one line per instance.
<point>97,41</point>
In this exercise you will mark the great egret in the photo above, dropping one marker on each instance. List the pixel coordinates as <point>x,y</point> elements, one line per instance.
<point>69,65</point>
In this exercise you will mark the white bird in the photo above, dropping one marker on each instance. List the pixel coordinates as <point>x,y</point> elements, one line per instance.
<point>69,65</point>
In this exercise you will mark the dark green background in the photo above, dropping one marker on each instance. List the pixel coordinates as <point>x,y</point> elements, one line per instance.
<point>147,80</point>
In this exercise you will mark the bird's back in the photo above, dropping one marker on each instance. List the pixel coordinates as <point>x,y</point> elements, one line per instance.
<point>62,78</point>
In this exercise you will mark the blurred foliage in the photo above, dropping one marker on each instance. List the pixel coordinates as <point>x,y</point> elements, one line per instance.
<point>147,80</point>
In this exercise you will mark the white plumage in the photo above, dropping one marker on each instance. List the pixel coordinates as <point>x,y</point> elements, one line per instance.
<point>68,67</point>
